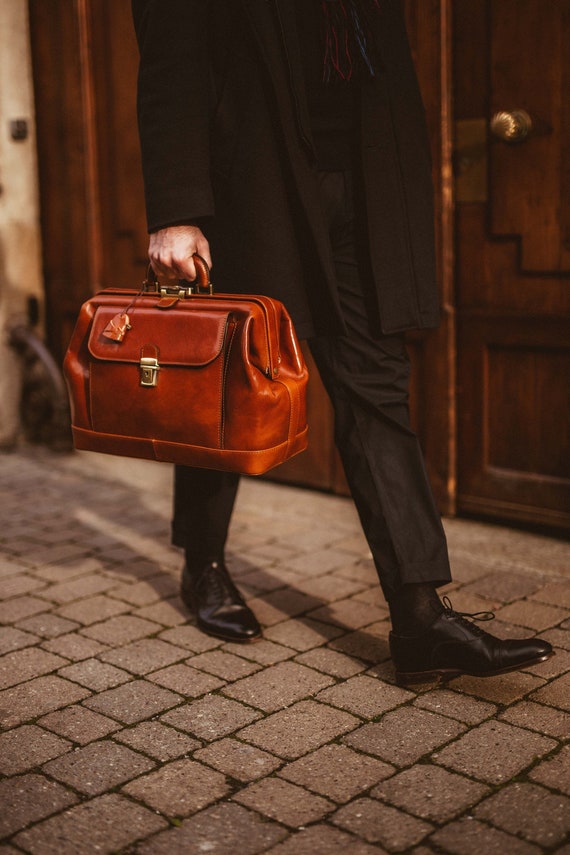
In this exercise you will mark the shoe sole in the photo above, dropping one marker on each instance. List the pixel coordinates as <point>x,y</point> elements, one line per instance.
<point>443,675</point>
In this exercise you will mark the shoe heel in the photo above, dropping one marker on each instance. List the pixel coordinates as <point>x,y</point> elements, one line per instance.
<point>414,678</point>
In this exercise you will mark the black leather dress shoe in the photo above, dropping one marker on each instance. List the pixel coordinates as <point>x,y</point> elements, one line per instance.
<point>219,607</point>
<point>453,646</point>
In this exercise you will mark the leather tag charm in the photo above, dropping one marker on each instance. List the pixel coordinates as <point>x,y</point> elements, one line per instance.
<point>117,327</point>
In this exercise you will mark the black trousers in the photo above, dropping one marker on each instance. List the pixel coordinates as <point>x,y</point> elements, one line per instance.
<point>366,375</point>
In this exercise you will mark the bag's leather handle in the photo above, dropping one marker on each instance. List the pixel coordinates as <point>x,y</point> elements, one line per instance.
<point>151,285</point>
<point>203,280</point>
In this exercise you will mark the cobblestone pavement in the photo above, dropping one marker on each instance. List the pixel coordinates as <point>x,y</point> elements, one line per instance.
<point>126,730</point>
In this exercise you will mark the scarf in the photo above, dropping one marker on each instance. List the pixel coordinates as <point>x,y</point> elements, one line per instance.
<point>348,39</point>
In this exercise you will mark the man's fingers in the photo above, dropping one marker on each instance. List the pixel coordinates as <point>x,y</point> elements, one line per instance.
<point>171,251</point>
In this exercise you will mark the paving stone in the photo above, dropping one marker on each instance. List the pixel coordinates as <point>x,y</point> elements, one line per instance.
<point>238,760</point>
<point>264,652</point>
<point>456,705</point>
<point>430,792</point>
<point>469,837</point>
<point>21,607</point>
<point>22,665</point>
<point>144,656</point>
<point>278,686</point>
<point>66,570</point>
<point>185,680</point>
<point>374,597</point>
<point>365,696</point>
<point>168,613</point>
<point>75,646</point>
<point>121,630</point>
<point>383,671</point>
<point>79,724</point>
<point>368,645</point>
<point>559,637</point>
<point>349,614</point>
<point>532,614</point>
<point>363,570</point>
<point>56,553</point>
<point>223,829</point>
<point>546,720</point>
<point>159,741</point>
<point>37,697</point>
<point>253,583</point>
<point>224,665</point>
<point>298,729</point>
<point>28,798</point>
<point>331,662</point>
<point>505,587</point>
<point>272,552</point>
<point>131,569</point>
<point>75,589</point>
<point>504,689</point>
<point>98,767</point>
<point>211,717</point>
<point>379,823</point>
<point>337,772</point>
<point>556,593</point>
<point>104,825</point>
<point>554,772</point>
<point>95,675</point>
<point>531,811</point>
<point>404,735</point>
<point>553,667</point>
<point>302,633</point>
<point>11,568</point>
<point>319,561</point>
<point>328,588</point>
<point>179,788</point>
<point>190,638</point>
<point>92,609</point>
<point>28,746</point>
<point>14,639</point>
<point>321,839</point>
<point>277,606</point>
<point>48,625</point>
<point>556,693</point>
<point>284,802</point>
<point>14,586</point>
<point>148,591</point>
<point>494,752</point>
<point>133,702</point>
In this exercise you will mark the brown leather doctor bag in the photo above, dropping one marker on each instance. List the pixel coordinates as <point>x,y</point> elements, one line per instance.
<point>183,375</point>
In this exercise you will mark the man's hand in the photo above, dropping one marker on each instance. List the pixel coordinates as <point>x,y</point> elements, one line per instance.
<point>171,249</point>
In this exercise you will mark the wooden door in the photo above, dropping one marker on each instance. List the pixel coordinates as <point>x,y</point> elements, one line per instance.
<point>93,222</point>
<point>513,258</point>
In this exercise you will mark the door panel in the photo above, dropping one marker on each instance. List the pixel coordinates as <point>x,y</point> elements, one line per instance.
<point>513,262</point>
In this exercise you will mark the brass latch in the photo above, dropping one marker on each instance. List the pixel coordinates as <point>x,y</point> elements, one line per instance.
<point>149,370</point>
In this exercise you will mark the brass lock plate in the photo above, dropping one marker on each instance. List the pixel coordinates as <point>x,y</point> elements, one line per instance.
<point>149,369</point>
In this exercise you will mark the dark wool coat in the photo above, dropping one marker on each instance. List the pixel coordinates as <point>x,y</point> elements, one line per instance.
<point>226,142</point>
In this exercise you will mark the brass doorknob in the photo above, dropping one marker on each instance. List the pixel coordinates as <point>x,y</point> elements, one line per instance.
<point>513,126</point>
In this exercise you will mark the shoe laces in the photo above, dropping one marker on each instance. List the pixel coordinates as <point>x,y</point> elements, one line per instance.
<point>462,617</point>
